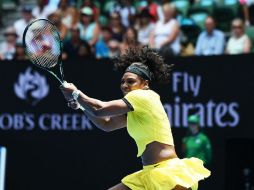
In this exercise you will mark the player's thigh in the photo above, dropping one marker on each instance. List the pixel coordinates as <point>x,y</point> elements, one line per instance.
<point>119,186</point>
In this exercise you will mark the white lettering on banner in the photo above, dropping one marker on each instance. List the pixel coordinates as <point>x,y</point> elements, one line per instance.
<point>210,105</point>
<point>220,112</point>
<point>234,114</point>
<point>64,122</point>
<point>45,122</point>
<point>186,82</point>
<point>211,114</point>
<point>177,112</point>
<point>17,121</point>
<point>185,113</point>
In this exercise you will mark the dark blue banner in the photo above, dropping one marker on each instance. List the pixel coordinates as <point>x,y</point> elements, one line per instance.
<point>50,146</point>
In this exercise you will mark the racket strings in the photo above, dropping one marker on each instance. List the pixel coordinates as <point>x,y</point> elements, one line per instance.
<point>43,44</point>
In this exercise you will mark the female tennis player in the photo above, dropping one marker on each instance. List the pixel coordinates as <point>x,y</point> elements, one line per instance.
<point>141,111</point>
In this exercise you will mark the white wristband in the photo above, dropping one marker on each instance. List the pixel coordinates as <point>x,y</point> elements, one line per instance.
<point>75,94</point>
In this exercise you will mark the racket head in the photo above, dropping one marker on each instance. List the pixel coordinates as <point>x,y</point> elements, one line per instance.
<point>42,43</point>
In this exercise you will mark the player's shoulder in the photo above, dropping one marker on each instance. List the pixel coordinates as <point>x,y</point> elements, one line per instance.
<point>139,95</point>
<point>143,93</point>
<point>136,93</point>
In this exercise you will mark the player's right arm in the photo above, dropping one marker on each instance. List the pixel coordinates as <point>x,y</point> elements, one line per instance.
<point>96,108</point>
<point>108,123</point>
<point>107,116</point>
<point>104,123</point>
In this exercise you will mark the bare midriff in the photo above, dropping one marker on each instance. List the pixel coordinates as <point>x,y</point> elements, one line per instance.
<point>156,152</point>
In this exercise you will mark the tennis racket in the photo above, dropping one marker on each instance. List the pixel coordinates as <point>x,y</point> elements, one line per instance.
<point>43,46</point>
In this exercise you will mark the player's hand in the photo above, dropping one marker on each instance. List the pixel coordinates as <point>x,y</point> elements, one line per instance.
<point>73,104</point>
<point>67,89</point>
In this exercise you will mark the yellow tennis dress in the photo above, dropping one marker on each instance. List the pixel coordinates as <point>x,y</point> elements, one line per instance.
<point>148,122</point>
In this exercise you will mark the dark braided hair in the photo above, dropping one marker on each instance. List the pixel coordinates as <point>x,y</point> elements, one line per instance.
<point>149,58</point>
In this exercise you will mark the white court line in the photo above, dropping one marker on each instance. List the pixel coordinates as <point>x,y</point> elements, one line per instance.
<point>2,166</point>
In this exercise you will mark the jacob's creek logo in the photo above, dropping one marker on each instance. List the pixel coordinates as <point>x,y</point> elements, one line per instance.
<point>31,86</point>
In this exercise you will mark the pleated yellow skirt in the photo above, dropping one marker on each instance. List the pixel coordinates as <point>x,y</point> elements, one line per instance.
<point>167,174</point>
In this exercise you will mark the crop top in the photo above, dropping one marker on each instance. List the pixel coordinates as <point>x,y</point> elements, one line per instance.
<point>148,121</point>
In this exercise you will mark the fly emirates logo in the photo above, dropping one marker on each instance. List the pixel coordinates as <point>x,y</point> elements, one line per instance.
<point>212,113</point>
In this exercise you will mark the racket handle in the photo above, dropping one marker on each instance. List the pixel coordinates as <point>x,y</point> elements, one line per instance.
<point>64,84</point>
<point>81,108</point>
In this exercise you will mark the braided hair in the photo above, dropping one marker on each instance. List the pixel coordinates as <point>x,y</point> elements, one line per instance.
<point>147,58</point>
